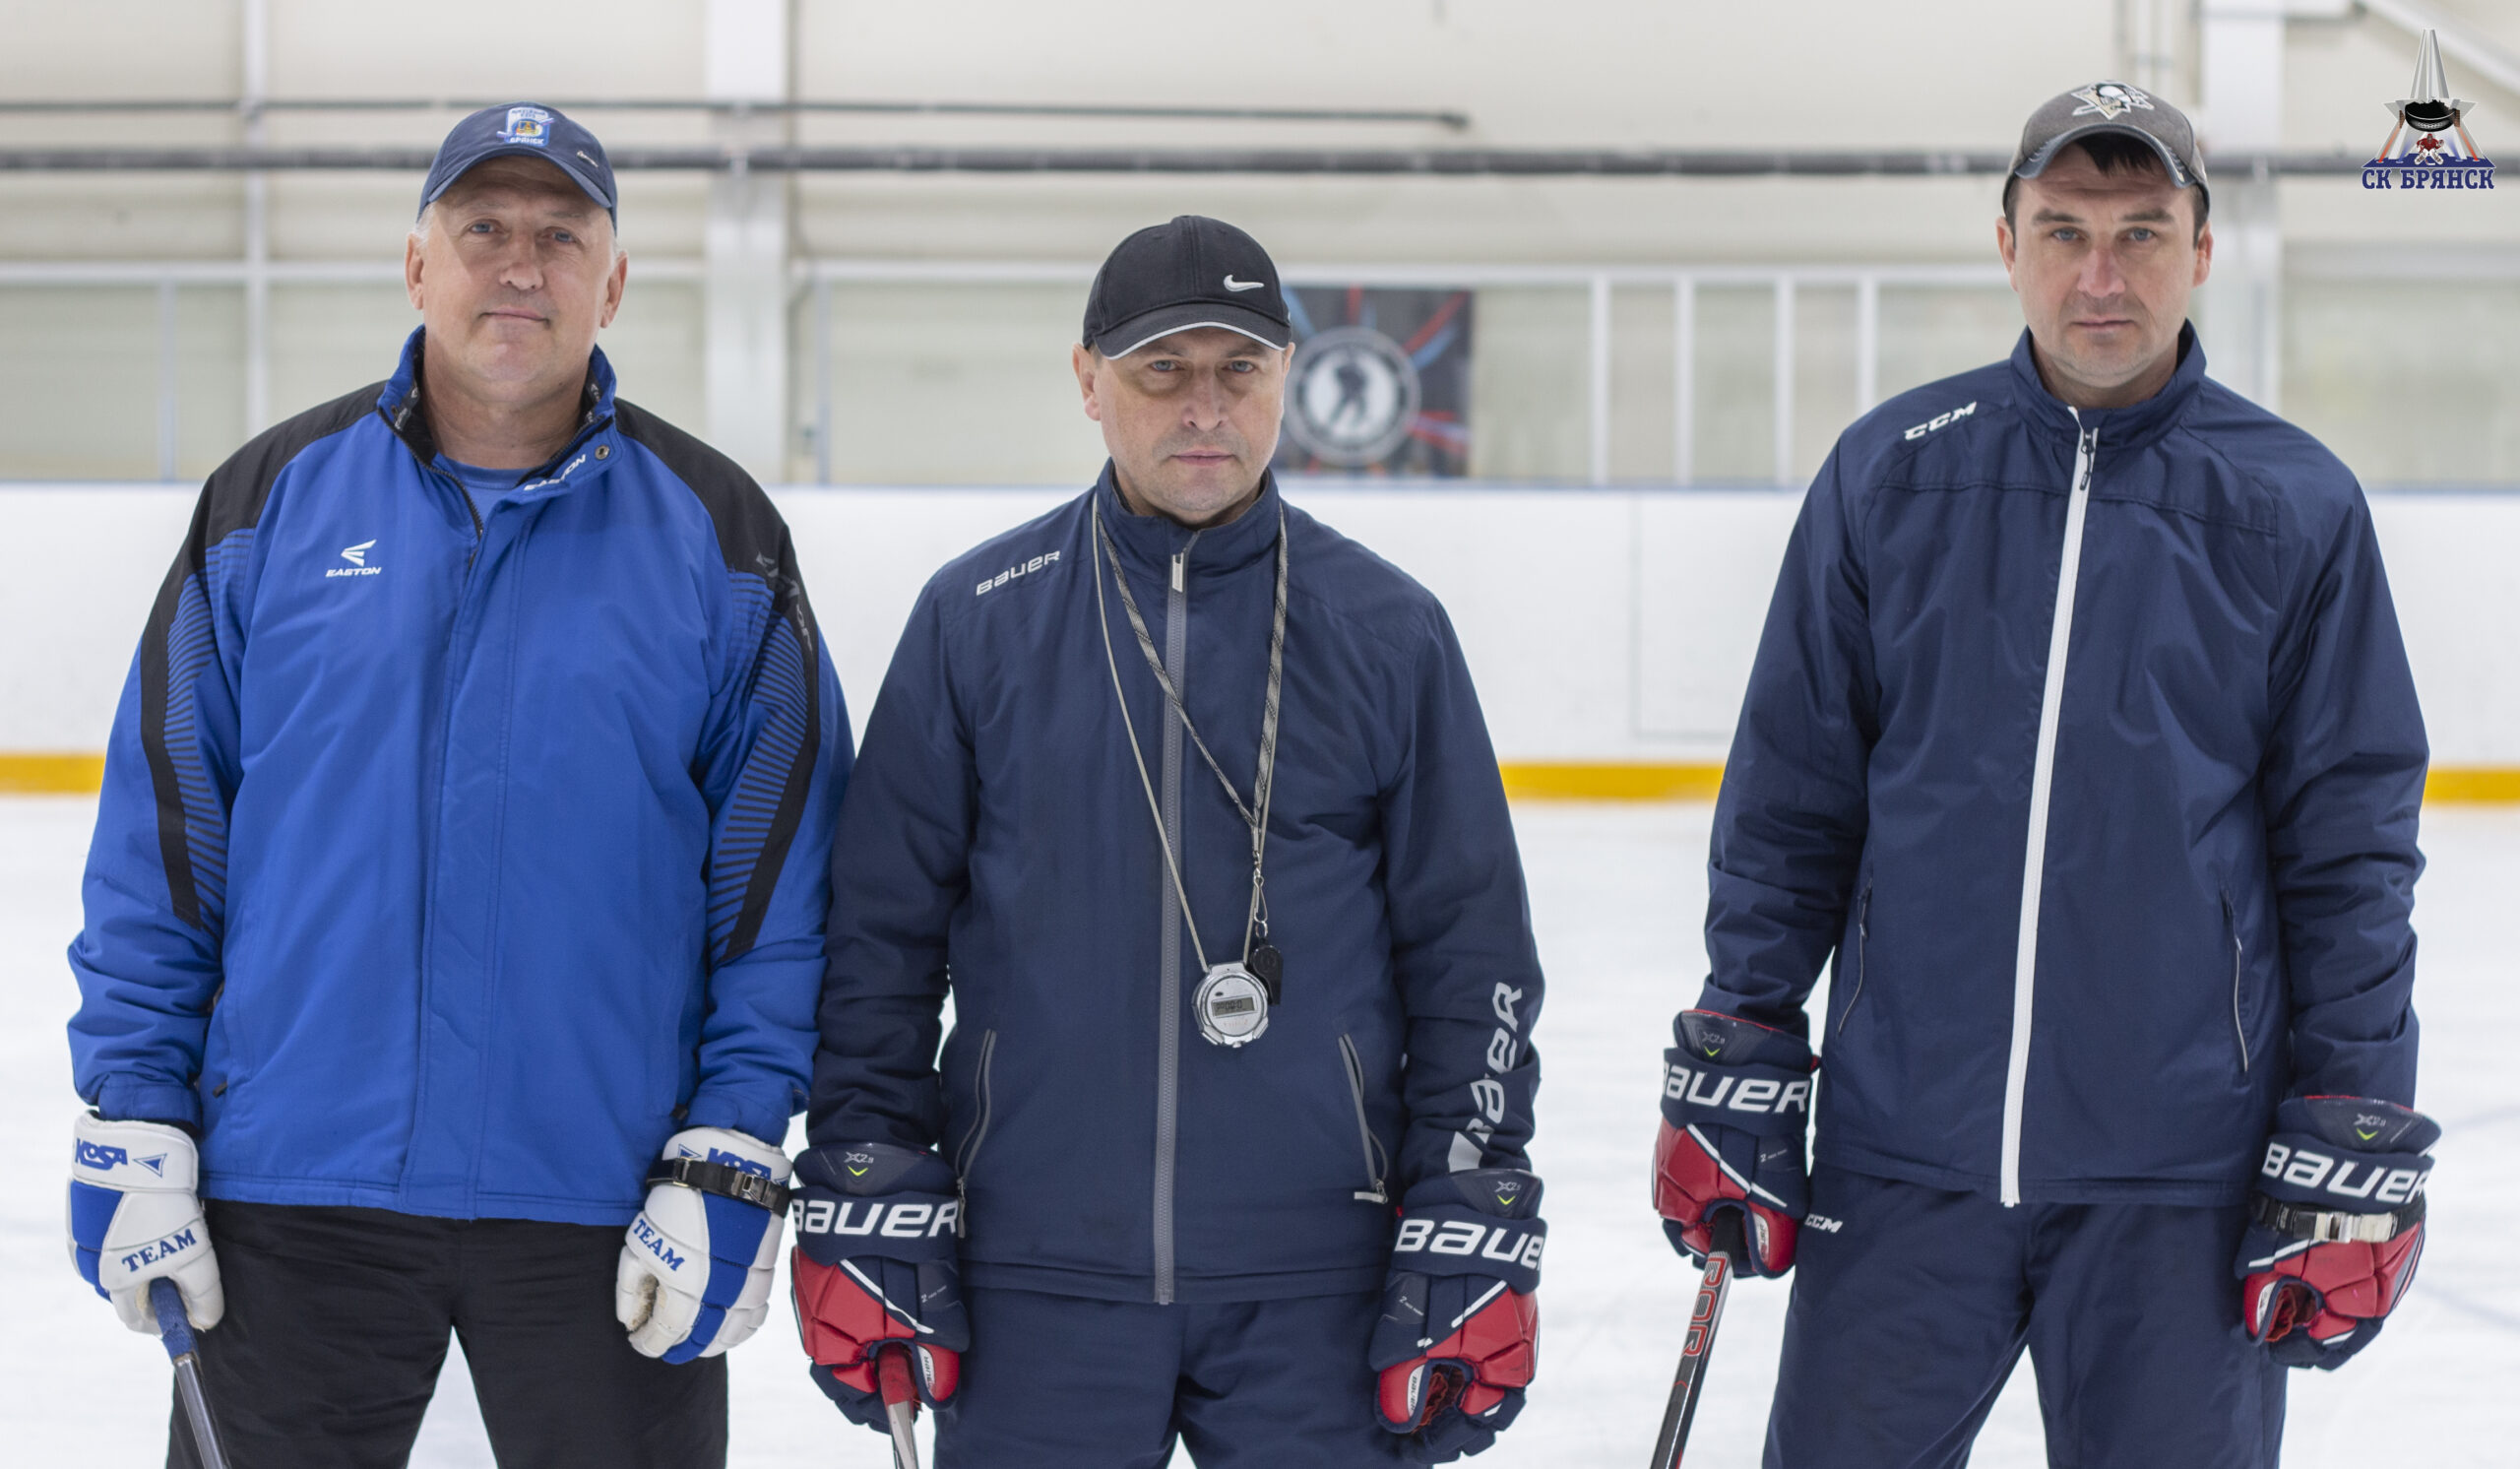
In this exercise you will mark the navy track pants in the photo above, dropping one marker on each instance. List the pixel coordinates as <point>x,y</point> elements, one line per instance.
<point>1911,1307</point>
<point>1061,1383</point>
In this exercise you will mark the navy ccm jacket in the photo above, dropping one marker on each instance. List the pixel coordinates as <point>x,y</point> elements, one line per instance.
<point>997,836</point>
<point>449,868</point>
<point>2215,916</point>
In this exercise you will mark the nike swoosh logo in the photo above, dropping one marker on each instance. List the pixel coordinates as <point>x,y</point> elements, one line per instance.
<point>1231,283</point>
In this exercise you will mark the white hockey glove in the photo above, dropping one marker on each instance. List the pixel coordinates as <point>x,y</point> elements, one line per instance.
<point>133,1217</point>
<point>696,1268</point>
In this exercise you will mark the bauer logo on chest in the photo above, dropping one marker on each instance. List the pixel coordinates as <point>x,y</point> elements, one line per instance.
<point>1030,568</point>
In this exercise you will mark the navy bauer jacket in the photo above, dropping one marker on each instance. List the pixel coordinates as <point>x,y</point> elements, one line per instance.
<point>450,868</point>
<point>996,837</point>
<point>2108,873</point>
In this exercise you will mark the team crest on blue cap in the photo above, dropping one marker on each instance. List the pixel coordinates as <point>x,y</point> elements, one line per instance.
<point>527,125</point>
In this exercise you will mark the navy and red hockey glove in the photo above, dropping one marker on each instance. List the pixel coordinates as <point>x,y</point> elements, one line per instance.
<point>1460,1318</point>
<point>1736,1101</point>
<point>876,1267</point>
<point>2335,1227</point>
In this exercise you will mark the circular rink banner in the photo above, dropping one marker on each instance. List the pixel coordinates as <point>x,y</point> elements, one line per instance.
<point>1380,383</point>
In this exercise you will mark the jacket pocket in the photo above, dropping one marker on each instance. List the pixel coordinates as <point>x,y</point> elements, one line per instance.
<point>1377,1162</point>
<point>221,1069</point>
<point>2239,978</point>
<point>1862,953</point>
<point>967,1152</point>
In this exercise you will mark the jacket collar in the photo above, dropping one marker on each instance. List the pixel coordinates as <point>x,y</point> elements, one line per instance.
<point>1151,540</point>
<point>2119,428</point>
<point>398,404</point>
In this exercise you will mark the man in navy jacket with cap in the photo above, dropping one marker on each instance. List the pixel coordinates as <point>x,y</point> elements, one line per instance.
<point>2082,736</point>
<point>1188,801</point>
<point>456,910</point>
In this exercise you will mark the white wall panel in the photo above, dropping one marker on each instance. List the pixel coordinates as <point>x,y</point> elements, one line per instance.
<point>1600,626</point>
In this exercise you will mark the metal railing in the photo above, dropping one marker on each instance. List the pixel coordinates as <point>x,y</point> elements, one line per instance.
<point>812,282</point>
<point>255,278</point>
<point>1597,283</point>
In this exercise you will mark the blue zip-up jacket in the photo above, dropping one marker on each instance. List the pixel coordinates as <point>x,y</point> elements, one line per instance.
<point>2107,874</point>
<point>449,864</point>
<point>998,837</point>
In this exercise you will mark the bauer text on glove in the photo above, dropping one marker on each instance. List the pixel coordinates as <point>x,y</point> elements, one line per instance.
<point>1736,1102</point>
<point>876,1267</point>
<point>1456,1342</point>
<point>2336,1226</point>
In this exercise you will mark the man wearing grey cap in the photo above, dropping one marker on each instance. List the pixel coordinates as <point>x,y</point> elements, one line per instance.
<point>458,882</point>
<point>1187,801</point>
<point>2081,744</point>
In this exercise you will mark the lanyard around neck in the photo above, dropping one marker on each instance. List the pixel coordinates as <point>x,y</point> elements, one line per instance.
<point>1263,780</point>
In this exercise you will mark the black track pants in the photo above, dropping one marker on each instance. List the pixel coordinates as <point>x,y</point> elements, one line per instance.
<point>337,1324</point>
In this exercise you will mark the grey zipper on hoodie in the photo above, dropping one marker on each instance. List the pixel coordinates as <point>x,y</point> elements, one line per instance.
<point>1168,1042</point>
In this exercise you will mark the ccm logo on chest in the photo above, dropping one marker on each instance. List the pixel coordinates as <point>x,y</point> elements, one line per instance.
<point>1750,1094</point>
<point>1939,421</point>
<point>1466,1236</point>
<point>824,1216</point>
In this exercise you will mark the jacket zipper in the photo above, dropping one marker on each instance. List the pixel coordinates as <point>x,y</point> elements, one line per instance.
<point>2231,922</point>
<point>1862,955</point>
<point>2043,779</point>
<point>969,1153</point>
<point>1376,1160</point>
<point>1168,1032</point>
<point>446,737</point>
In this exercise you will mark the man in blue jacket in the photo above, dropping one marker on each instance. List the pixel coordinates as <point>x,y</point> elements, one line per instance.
<point>2082,736</point>
<point>460,880</point>
<point>1187,801</point>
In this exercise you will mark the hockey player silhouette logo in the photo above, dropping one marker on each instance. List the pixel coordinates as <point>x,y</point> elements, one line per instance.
<point>1354,395</point>
<point>1379,382</point>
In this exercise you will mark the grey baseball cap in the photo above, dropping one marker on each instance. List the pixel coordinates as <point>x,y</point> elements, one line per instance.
<point>2110,107</point>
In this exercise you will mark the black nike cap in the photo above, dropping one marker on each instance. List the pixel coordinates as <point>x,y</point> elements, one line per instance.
<point>523,130</point>
<point>2110,107</point>
<point>1192,272</point>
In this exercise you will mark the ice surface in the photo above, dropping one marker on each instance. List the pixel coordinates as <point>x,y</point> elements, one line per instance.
<point>1618,895</point>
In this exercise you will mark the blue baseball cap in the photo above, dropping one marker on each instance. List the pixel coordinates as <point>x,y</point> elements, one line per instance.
<point>523,130</point>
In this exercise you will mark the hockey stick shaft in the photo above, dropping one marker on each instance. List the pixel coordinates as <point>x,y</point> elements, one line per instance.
<point>175,1329</point>
<point>901,1403</point>
<point>1706,1314</point>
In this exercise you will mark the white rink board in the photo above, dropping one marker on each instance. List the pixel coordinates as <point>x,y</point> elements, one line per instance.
<point>1616,895</point>
<point>1600,624</point>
